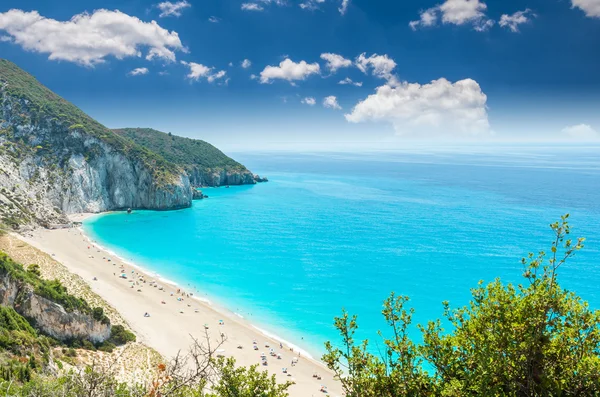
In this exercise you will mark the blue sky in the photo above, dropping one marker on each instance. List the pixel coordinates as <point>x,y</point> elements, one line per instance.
<point>462,71</point>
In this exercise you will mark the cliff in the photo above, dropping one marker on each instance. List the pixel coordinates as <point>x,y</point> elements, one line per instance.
<point>49,316</point>
<point>205,164</point>
<point>54,159</point>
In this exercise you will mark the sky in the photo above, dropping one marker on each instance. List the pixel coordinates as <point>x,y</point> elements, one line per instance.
<point>322,74</point>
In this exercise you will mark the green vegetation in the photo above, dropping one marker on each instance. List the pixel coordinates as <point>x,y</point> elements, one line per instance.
<point>535,339</point>
<point>185,152</point>
<point>531,339</point>
<point>44,106</point>
<point>49,289</point>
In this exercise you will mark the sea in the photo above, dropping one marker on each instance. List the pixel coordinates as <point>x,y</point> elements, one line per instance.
<point>333,231</point>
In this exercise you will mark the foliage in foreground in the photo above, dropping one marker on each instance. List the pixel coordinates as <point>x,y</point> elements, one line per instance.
<point>533,339</point>
<point>199,373</point>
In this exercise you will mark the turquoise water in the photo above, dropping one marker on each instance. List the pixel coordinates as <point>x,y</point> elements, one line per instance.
<point>331,231</point>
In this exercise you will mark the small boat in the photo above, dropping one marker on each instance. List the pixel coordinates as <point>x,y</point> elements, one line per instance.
<point>129,210</point>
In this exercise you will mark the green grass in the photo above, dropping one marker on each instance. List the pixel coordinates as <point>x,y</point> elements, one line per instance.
<point>185,152</point>
<point>45,106</point>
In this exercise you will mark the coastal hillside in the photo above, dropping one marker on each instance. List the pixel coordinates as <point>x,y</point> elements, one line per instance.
<point>55,160</point>
<point>205,164</point>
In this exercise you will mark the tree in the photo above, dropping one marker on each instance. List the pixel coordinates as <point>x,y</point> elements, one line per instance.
<point>245,382</point>
<point>533,339</point>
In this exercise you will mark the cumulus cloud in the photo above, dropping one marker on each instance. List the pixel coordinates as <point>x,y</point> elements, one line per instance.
<point>246,63</point>
<point>214,19</point>
<point>252,7</point>
<point>513,21</point>
<point>199,71</point>
<point>456,12</point>
<point>289,70</point>
<point>349,81</point>
<point>331,103</point>
<point>309,101</point>
<point>344,7</point>
<point>169,9</point>
<point>87,39</point>
<point>380,66</point>
<point>335,62</point>
<point>583,132</point>
<point>591,8</point>
<point>138,71</point>
<point>434,108</point>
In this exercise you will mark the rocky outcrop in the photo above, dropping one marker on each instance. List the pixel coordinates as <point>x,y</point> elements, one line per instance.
<point>198,195</point>
<point>50,317</point>
<point>49,167</point>
<point>258,179</point>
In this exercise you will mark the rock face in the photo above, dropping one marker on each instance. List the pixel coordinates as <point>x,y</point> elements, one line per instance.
<point>204,164</point>
<point>53,163</point>
<point>199,177</point>
<point>50,317</point>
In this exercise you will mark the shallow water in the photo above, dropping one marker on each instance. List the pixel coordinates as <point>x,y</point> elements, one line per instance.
<point>331,231</point>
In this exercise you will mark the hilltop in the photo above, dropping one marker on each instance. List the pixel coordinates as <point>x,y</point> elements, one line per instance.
<point>205,164</point>
<point>56,160</point>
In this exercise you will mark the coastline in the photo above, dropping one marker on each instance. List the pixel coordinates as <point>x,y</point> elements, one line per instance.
<point>173,324</point>
<point>212,301</point>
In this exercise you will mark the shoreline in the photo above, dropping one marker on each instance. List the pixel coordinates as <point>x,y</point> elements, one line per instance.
<point>81,255</point>
<point>211,301</point>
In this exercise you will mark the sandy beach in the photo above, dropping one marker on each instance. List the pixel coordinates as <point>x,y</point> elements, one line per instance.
<point>174,318</point>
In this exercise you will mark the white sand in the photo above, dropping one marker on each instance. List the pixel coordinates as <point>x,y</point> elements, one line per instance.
<point>167,329</point>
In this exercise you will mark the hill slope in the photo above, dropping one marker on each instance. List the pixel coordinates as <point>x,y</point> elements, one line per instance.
<point>205,164</point>
<point>54,159</point>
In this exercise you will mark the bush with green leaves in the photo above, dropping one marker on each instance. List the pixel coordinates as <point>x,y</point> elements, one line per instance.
<point>532,339</point>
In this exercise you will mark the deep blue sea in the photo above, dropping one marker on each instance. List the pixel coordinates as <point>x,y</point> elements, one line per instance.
<point>332,231</point>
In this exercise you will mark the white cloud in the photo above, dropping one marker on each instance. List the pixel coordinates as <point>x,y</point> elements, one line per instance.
<point>582,132</point>
<point>309,101</point>
<point>438,107</point>
<point>289,70</point>
<point>513,21</point>
<point>219,75</point>
<point>87,39</point>
<point>348,81</point>
<point>311,4</point>
<point>456,12</point>
<point>214,19</point>
<point>246,63</point>
<point>380,65</point>
<point>331,102</point>
<point>591,8</point>
<point>5,39</point>
<point>335,62</point>
<point>253,77</point>
<point>198,71</point>
<point>344,7</point>
<point>138,71</point>
<point>252,7</point>
<point>169,9</point>
<point>163,73</point>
